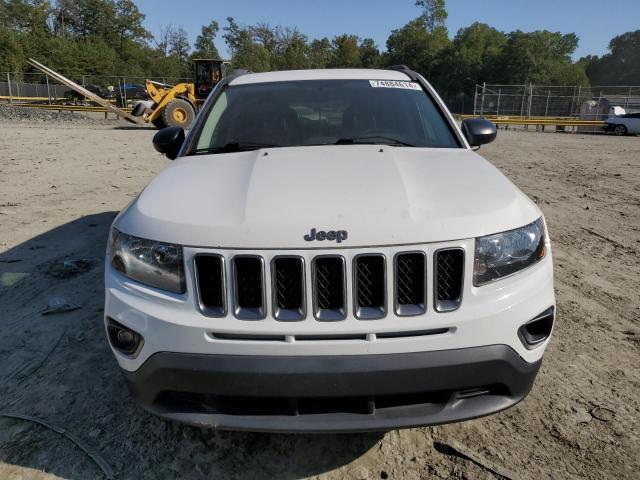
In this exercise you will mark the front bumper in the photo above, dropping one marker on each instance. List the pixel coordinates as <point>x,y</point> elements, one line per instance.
<point>332,393</point>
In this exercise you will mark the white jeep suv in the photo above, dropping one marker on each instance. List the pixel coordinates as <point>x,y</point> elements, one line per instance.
<point>328,253</point>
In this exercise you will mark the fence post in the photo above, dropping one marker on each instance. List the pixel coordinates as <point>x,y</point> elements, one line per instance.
<point>578,98</point>
<point>498,105</point>
<point>530,99</point>
<point>475,100</point>
<point>124,85</point>
<point>524,93</point>
<point>484,87</point>
<point>120,89</point>
<point>48,91</point>
<point>9,84</point>
<point>626,102</point>
<point>546,108</point>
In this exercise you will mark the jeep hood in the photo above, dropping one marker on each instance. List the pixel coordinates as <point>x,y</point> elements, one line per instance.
<point>380,195</point>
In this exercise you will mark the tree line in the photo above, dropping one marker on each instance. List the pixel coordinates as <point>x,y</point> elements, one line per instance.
<point>107,37</point>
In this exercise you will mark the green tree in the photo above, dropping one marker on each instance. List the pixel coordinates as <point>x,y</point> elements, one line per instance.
<point>245,53</point>
<point>369,54</point>
<point>621,66</point>
<point>320,53</point>
<point>205,46</point>
<point>179,44</point>
<point>128,24</point>
<point>541,57</point>
<point>346,53</point>
<point>234,36</point>
<point>434,14</point>
<point>11,54</point>
<point>420,42</point>
<point>470,58</point>
<point>86,18</point>
<point>292,50</point>
<point>416,47</point>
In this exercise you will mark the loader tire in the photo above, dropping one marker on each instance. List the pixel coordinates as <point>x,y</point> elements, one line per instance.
<point>138,110</point>
<point>178,113</point>
<point>158,122</point>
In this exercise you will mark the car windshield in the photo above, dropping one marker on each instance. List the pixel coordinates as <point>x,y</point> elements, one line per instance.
<point>322,112</point>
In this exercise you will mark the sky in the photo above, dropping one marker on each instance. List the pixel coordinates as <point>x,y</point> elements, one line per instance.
<point>594,21</point>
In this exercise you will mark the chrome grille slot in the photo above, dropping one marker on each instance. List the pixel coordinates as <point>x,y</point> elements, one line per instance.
<point>411,284</point>
<point>369,286</point>
<point>210,285</point>
<point>247,337</point>
<point>287,284</point>
<point>248,287</point>
<point>449,274</point>
<point>329,288</point>
<point>331,338</point>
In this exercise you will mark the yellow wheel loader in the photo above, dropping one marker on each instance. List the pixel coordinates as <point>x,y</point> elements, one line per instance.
<point>169,105</point>
<point>177,105</point>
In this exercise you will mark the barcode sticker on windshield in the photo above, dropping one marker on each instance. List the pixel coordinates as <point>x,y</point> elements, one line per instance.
<point>394,84</point>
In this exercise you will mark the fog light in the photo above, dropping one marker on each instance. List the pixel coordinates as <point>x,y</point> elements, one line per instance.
<point>537,330</point>
<point>124,339</point>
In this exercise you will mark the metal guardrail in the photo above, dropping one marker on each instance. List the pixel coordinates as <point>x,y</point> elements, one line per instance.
<point>71,108</point>
<point>543,121</point>
<point>559,123</point>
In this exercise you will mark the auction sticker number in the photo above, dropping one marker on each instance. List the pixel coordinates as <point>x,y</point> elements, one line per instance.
<point>394,84</point>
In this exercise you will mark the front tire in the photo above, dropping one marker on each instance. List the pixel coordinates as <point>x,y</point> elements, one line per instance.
<point>158,122</point>
<point>178,113</point>
<point>620,130</point>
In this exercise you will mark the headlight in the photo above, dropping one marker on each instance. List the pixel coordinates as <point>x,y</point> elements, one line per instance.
<point>505,253</point>
<point>157,264</point>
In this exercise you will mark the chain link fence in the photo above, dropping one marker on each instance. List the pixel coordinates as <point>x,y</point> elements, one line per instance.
<point>566,101</point>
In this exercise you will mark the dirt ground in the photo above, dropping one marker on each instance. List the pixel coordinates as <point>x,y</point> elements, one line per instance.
<point>62,184</point>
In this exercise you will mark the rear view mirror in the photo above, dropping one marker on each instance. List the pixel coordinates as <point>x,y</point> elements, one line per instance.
<point>478,131</point>
<point>168,141</point>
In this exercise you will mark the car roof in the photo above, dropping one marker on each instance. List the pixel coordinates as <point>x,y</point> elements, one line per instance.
<point>320,74</point>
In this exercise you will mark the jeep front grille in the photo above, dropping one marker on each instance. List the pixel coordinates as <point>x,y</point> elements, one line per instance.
<point>287,283</point>
<point>411,283</point>
<point>248,287</point>
<point>449,273</point>
<point>211,284</point>
<point>330,286</point>
<point>369,286</point>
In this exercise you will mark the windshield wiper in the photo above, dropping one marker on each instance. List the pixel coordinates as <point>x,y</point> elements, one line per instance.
<point>235,147</point>
<point>368,140</point>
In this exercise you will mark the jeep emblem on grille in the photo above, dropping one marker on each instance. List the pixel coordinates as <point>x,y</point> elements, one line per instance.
<point>331,235</point>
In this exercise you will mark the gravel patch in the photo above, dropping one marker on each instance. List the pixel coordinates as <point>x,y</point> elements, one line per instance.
<point>24,114</point>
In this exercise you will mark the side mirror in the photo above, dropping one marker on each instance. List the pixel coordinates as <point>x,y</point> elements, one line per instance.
<point>479,131</point>
<point>168,141</point>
